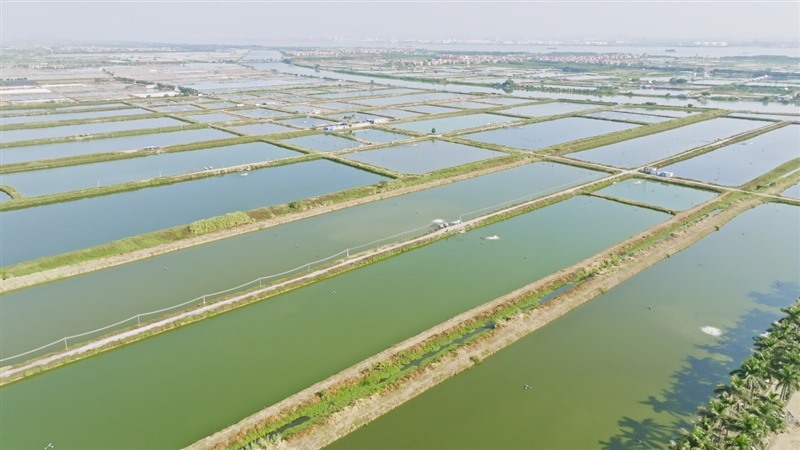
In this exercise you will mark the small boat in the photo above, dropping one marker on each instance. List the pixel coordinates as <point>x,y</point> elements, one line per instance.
<point>492,238</point>
<point>244,174</point>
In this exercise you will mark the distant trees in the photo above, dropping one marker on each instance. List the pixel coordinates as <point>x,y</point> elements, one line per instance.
<point>508,86</point>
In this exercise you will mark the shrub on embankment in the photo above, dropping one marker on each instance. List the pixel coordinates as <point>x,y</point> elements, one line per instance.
<point>222,222</point>
<point>751,407</point>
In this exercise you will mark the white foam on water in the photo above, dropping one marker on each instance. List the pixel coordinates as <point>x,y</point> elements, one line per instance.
<point>713,331</point>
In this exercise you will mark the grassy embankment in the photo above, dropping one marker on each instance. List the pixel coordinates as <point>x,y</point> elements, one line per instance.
<point>389,375</point>
<point>334,268</point>
<point>178,233</point>
<point>406,365</point>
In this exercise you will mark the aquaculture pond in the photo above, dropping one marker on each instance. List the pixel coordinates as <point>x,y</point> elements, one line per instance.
<point>377,136</point>
<point>548,109</point>
<point>626,370</point>
<point>323,142</point>
<point>62,227</point>
<point>212,117</point>
<point>657,112</point>
<point>669,196</point>
<point>394,113</point>
<point>88,115</point>
<point>446,125</point>
<point>793,191</point>
<point>544,134</point>
<point>353,116</point>
<point>302,337</point>
<point>262,128</point>
<point>87,129</point>
<point>61,179</point>
<point>468,105</point>
<point>306,122</point>
<point>176,108</point>
<point>640,151</point>
<point>262,113</point>
<point>404,99</point>
<point>422,157</point>
<point>65,149</point>
<point>773,117</point>
<point>42,314</point>
<point>738,163</point>
<point>618,115</point>
<point>431,109</point>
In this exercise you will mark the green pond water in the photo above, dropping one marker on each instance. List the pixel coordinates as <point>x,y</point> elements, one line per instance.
<point>670,196</point>
<point>89,128</point>
<point>170,390</point>
<point>738,163</point>
<point>425,156</point>
<point>626,370</point>
<point>42,314</point>
<point>640,151</point>
<point>62,227</point>
<point>62,179</point>
<point>62,150</point>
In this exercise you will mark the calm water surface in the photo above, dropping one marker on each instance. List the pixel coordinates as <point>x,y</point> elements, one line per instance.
<point>632,365</point>
<point>89,115</point>
<point>543,134</point>
<point>52,151</point>
<point>62,179</point>
<point>548,109</point>
<point>738,163</point>
<point>89,128</point>
<point>323,142</point>
<point>39,315</point>
<point>62,227</point>
<point>298,338</point>
<point>449,124</point>
<point>425,156</point>
<point>670,196</point>
<point>640,151</point>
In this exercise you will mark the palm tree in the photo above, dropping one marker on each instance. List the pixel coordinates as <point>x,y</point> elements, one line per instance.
<point>788,377</point>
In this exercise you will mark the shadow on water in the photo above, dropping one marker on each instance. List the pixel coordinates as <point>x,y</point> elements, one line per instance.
<point>694,384</point>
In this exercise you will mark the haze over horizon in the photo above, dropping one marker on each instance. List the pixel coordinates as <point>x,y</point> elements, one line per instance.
<point>253,22</point>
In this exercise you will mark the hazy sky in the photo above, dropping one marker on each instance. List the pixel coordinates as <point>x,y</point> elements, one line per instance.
<point>227,22</point>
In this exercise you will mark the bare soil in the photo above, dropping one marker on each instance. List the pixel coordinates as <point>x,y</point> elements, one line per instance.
<point>789,439</point>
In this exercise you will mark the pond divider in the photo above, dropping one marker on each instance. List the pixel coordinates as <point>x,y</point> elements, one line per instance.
<point>208,303</point>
